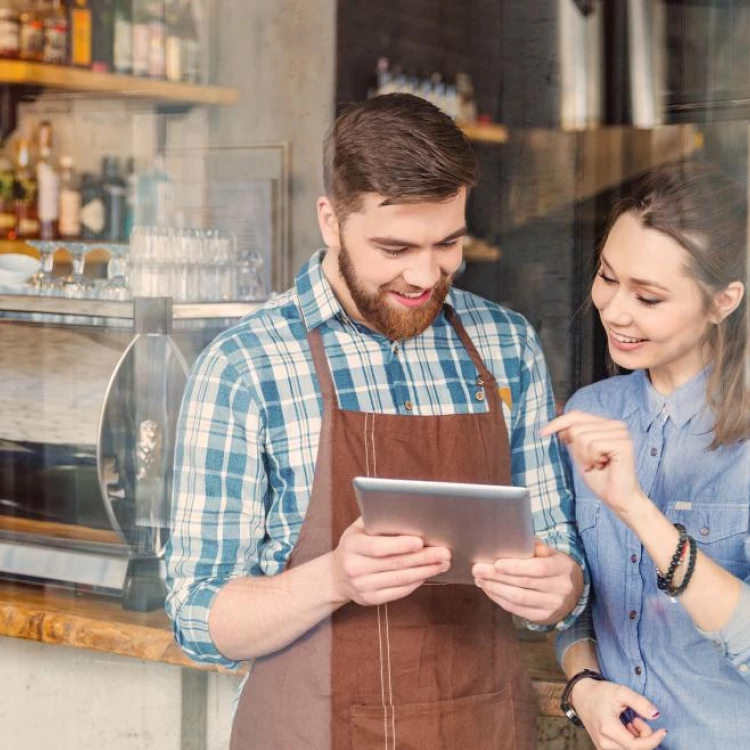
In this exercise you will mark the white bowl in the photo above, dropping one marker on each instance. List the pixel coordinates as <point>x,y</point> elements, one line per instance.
<point>15,268</point>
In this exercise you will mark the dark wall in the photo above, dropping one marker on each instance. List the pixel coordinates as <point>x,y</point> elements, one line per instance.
<point>424,36</point>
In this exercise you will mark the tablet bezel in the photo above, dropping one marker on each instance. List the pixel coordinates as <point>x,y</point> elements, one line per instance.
<point>459,516</point>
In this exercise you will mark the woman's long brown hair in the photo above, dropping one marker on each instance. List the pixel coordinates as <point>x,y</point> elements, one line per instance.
<point>703,210</point>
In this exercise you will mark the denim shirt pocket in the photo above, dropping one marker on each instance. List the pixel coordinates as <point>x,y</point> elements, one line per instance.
<point>720,529</point>
<point>587,522</point>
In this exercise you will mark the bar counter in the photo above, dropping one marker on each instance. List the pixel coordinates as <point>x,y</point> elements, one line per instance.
<point>61,617</point>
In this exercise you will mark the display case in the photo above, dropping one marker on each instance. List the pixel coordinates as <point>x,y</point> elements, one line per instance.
<point>90,398</point>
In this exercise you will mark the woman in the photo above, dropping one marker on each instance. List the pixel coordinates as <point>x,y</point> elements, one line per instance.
<point>661,466</point>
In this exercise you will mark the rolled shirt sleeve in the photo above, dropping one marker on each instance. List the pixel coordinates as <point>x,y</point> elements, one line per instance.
<point>537,464</point>
<point>217,509</point>
<point>733,640</point>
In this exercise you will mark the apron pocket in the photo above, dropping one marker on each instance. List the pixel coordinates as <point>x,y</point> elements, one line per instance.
<point>479,722</point>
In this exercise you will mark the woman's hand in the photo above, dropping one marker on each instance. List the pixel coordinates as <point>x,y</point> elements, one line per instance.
<point>599,706</point>
<point>603,452</point>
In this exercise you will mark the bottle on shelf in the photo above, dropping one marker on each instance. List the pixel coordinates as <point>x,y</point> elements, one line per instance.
<point>175,41</point>
<point>192,59</point>
<point>80,33</point>
<point>7,198</point>
<point>157,39</point>
<point>69,225</point>
<point>114,194</point>
<point>93,215</point>
<point>154,197</point>
<point>131,190</point>
<point>10,29</point>
<point>102,35</point>
<point>48,182</point>
<point>56,34</point>
<point>141,41</point>
<point>25,193</point>
<point>31,35</point>
<point>123,37</point>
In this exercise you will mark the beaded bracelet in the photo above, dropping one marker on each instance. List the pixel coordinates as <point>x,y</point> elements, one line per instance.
<point>675,592</point>
<point>664,582</point>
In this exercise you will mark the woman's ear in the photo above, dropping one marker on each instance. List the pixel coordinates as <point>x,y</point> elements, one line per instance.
<point>726,301</point>
<point>328,223</point>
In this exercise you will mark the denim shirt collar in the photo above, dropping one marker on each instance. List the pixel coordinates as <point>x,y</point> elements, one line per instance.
<point>318,302</point>
<point>686,405</point>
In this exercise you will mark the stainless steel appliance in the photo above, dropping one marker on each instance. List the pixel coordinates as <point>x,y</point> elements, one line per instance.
<point>89,396</point>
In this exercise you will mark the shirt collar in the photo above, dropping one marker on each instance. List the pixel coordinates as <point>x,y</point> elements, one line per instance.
<point>317,301</point>
<point>686,404</point>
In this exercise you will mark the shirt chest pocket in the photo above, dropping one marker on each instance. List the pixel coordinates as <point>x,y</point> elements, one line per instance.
<point>720,529</point>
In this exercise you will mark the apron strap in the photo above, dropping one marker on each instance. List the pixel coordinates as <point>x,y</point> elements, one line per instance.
<point>488,379</point>
<point>322,370</point>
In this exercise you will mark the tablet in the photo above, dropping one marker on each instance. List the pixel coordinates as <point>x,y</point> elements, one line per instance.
<point>477,522</point>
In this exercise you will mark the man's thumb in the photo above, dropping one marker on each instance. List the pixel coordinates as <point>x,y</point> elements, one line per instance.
<point>542,550</point>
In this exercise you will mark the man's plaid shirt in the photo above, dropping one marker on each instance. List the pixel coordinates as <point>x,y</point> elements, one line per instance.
<point>248,433</point>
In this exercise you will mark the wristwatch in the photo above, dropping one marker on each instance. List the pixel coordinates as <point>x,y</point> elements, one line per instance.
<point>567,709</point>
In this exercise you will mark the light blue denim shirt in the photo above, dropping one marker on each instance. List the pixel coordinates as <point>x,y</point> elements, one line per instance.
<point>699,681</point>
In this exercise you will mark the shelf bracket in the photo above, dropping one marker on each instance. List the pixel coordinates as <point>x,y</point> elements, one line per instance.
<point>11,95</point>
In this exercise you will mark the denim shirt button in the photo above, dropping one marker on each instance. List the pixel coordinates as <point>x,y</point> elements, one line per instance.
<point>634,558</point>
<point>638,671</point>
<point>654,451</point>
<point>704,531</point>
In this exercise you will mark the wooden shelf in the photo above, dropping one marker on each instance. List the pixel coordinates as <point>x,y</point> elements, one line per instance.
<point>64,78</point>
<point>485,132</point>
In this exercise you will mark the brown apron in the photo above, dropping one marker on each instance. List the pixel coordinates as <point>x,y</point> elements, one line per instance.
<point>438,670</point>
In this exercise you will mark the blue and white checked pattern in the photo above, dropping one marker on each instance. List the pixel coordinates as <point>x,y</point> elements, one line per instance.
<point>251,417</point>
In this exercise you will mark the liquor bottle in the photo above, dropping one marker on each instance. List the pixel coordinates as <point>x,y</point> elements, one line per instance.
<point>56,30</point>
<point>174,44</point>
<point>114,193</point>
<point>192,62</point>
<point>131,191</point>
<point>7,198</point>
<point>123,42</point>
<point>154,197</point>
<point>31,38</point>
<point>10,29</point>
<point>48,182</point>
<point>157,39</point>
<point>69,225</point>
<point>141,39</point>
<point>102,35</point>
<point>93,216</point>
<point>25,193</point>
<point>80,33</point>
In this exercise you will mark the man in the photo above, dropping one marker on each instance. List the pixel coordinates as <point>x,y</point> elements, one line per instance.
<point>370,365</point>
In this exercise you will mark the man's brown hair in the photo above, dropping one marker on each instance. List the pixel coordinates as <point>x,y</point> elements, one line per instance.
<point>399,146</point>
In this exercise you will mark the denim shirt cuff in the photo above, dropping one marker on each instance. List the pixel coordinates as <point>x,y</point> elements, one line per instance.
<point>581,630</point>
<point>733,640</point>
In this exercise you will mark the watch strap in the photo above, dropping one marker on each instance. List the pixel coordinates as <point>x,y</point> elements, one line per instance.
<point>565,706</point>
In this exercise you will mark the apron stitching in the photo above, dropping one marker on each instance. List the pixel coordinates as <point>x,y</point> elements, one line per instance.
<point>375,468</point>
<point>367,448</point>
<point>390,684</point>
<point>382,681</point>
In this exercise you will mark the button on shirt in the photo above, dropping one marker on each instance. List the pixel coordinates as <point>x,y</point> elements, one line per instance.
<point>248,433</point>
<point>699,681</point>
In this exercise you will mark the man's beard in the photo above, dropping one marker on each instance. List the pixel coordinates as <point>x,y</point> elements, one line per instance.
<point>385,316</point>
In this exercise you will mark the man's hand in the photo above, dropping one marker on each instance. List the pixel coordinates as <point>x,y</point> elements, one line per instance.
<point>543,589</point>
<point>373,570</point>
<point>600,706</point>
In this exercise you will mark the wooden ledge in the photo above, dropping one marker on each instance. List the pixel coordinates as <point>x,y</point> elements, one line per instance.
<point>59,617</point>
